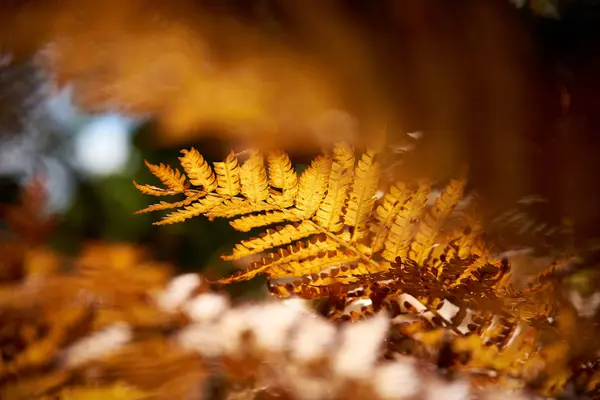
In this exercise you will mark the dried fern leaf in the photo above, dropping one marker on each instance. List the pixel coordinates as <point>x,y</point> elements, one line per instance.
<point>329,214</point>
<point>391,205</point>
<point>283,178</point>
<point>197,170</point>
<point>332,274</point>
<point>228,176</point>
<point>202,206</point>
<point>312,187</point>
<point>171,178</point>
<point>398,238</point>
<point>477,270</point>
<point>332,278</point>
<point>365,268</point>
<point>361,198</point>
<point>445,248</point>
<point>322,262</point>
<point>352,270</point>
<point>283,256</point>
<point>301,250</point>
<point>253,178</point>
<point>434,219</point>
<point>154,190</point>
<point>163,205</point>
<point>234,206</point>
<point>279,236</point>
<point>247,222</point>
<point>301,289</point>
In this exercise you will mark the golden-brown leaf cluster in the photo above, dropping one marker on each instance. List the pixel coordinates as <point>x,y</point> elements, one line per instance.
<point>59,301</point>
<point>52,306</point>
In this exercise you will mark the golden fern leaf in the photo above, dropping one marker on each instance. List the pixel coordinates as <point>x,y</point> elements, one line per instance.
<point>329,214</point>
<point>247,222</point>
<point>231,207</point>
<point>283,178</point>
<point>302,289</point>
<point>361,198</point>
<point>163,205</point>
<point>329,260</point>
<point>193,210</point>
<point>366,268</point>
<point>334,277</point>
<point>279,236</point>
<point>171,178</point>
<point>393,203</point>
<point>153,190</point>
<point>312,187</point>
<point>335,280</point>
<point>474,272</point>
<point>433,220</point>
<point>253,178</point>
<point>282,256</point>
<point>197,170</point>
<point>301,250</point>
<point>228,176</point>
<point>397,242</point>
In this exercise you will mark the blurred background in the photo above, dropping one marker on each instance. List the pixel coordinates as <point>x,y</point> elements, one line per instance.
<point>88,90</point>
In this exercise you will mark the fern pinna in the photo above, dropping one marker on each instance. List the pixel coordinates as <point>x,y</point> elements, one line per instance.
<point>331,234</point>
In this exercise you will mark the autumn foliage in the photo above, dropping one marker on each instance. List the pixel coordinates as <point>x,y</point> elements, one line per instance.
<point>380,290</point>
<point>420,259</point>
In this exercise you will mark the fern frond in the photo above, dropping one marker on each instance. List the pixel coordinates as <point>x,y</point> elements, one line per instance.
<point>253,178</point>
<point>197,170</point>
<point>201,207</point>
<point>163,205</point>
<point>312,187</point>
<point>328,279</point>
<point>335,281</point>
<point>302,289</point>
<point>231,207</point>
<point>171,178</point>
<point>283,178</point>
<point>282,256</point>
<point>301,250</point>
<point>361,198</point>
<point>397,242</point>
<point>247,222</point>
<point>153,190</point>
<point>330,260</point>
<point>228,176</point>
<point>329,214</point>
<point>478,270</point>
<point>279,236</point>
<point>433,220</point>
<point>393,203</point>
